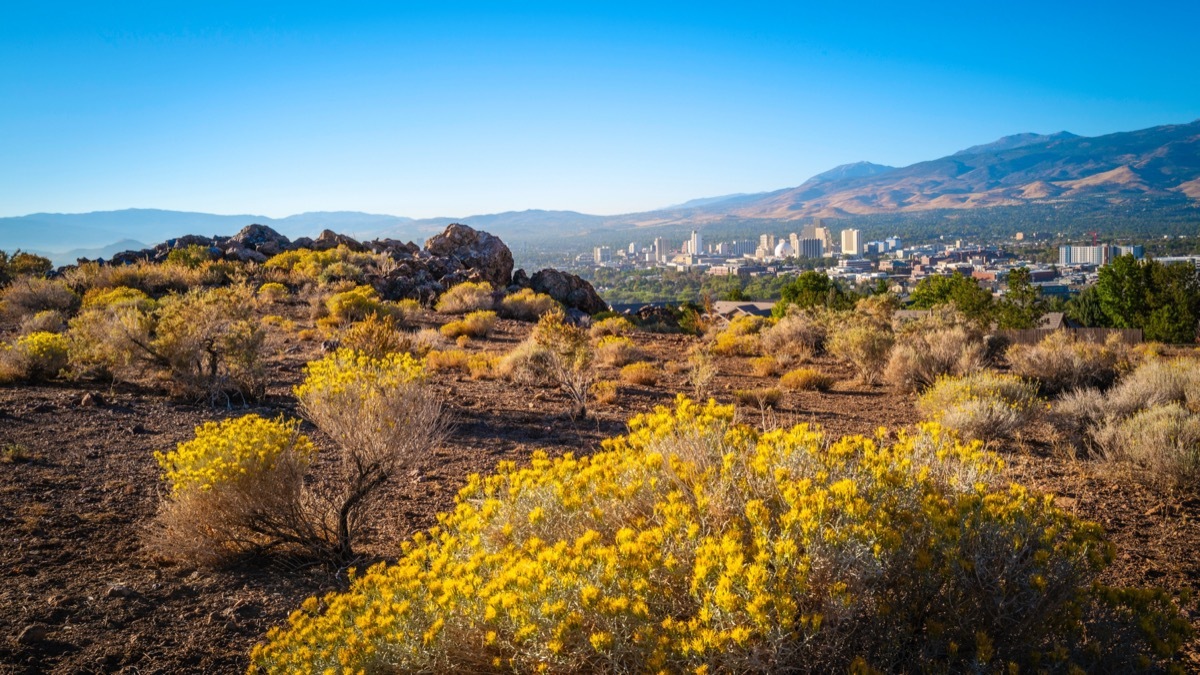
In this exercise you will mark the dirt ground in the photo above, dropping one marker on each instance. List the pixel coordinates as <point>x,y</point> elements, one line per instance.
<point>79,595</point>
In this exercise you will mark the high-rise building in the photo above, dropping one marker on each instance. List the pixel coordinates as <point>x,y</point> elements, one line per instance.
<point>632,248</point>
<point>696,243</point>
<point>851,242</point>
<point>825,235</point>
<point>1100,254</point>
<point>810,248</point>
<point>602,254</point>
<point>766,241</point>
<point>794,241</point>
<point>660,248</point>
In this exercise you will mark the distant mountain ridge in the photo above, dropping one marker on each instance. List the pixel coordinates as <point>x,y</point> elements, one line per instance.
<point>1161,164</point>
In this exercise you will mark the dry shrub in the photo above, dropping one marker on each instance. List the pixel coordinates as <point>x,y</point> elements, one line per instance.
<point>566,355</point>
<point>695,544</point>
<point>374,336</point>
<point>1157,382</point>
<point>764,366</point>
<point>483,366</point>
<point>761,399</point>
<point>26,296</point>
<point>1061,363</point>
<point>985,405</point>
<point>237,487</point>
<point>642,373</point>
<point>616,326</point>
<point>526,305</point>
<point>450,359</point>
<point>463,341</point>
<point>702,370</point>
<point>806,379</point>
<point>798,335</point>
<point>273,291</point>
<point>528,363</point>
<point>865,346</point>
<point>36,356</point>
<point>151,278</point>
<point>383,417</point>
<point>920,357</point>
<point>45,321</point>
<point>477,324</point>
<point>1162,442</point>
<point>617,351</point>
<point>468,296</point>
<point>740,337</point>
<point>325,267</point>
<point>605,392</point>
<point>1076,414</point>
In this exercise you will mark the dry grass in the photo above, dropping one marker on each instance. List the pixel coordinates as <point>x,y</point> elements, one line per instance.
<point>615,351</point>
<point>764,366</point>
<point>759,399</point>
<point>477,324</point>
<point>806,379</point>
<point>466,297</point>
<point>642,373</point>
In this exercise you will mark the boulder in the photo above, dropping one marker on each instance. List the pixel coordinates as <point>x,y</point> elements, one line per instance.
<point>329,239</point>
<point>478,251</point>
<point>236,252</point>
<point>568,289</point>
<point>262,239</point>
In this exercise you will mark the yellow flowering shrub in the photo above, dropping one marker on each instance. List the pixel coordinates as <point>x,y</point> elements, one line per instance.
<point>764,366</point>
<point>741,336</point>
<point>615,350</point>
<point>642,372</point>
<point>476,324</point>
<point>226,451</point>
<point>526,305</point>
<point>439,360</point>
<point>605,392</point>
<point>39,354</point>
<point>358,303</point>
<point>104,298</point>
<point>468,296</point>
<point>985,405</point>
<point>695,544</point>
<point>483,365</point>
<point>273,291</point>
<point>324,266</point>
<point>612,326</point>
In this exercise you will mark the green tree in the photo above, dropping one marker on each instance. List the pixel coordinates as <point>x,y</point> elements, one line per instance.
<point>1022,305</point>
<point>1086,310</point>
<point>812,289</point>
<point>964,292</point>
<point>1123,290</point>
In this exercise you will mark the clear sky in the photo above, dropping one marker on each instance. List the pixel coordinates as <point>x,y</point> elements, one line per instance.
<point>461,108</point>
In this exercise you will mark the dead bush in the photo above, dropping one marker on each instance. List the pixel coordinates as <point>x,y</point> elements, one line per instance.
<point>1161,442</point>
<point>759,399</point>
<point>27,296</point>
<point>45,321</point>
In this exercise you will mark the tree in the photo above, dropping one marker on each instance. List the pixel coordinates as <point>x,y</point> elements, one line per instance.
<point>811,289</point>
<point>1086,310</point>
<point>964,292</point>
<point>1123,291</point>
<point>1162,300</point>
<point>1022,305</point>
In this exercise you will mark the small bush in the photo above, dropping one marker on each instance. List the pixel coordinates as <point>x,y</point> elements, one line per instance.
<point>45,321</point>
<point>642,373</point>
<point>566,355</point>
<point>374,336</point>
<point>104,298</point>
<point>326,267</point>
<point>36,356</point>
<point>236,486</point>
<point>273,291</point>
<point>1076,415</point>
<point>483,366</point>
<point>740,337</point>
<point>359,303</point>
<point>1157,382</point>
<point>1162,442</point>
<point>985,406</point>
<point>866,347</point>
<point>761,399</point>
<point>615,326</point>
<point>701,371</point>
<point>694,544</point>
<point>477,324</point>
<point>764,366</point>
<point>806,379</point>
<point>526,305</point>
<point>383,418</point>
<point>798,335</point>
<point>192,256</point>
<point>617,351</point>
<point>468,296</point>
<point>920,357</point>
<point>27,296</point>
<point>605,392</point>
<point>528,363</point>
<point>450,359</point>
<point>1061,363</point>
<point>210,343</point>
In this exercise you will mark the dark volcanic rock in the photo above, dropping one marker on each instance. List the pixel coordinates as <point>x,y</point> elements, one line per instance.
<point>477,251</point>
<point>262,239</point>
<point>329,239</point>
<point>568,289</point>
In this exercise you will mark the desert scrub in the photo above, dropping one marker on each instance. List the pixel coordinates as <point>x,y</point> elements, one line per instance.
<point>528,363</point>
<point>237,486</point>
<point>617,351</point>
<point>45,321</point>
<point>438,360</point>
<point>762,398</point>
<point>1161,442</point>
<point>616,326</point>
<point>799,335</point>
<point>1061,363</point>
<point>526,305</point>
<point>468,296</point>
<point>740,337</point>
<point>865,345</point>
<point>806,379</point>
<point>374,336</point>
<point>483,366</point>
<point>985,406</point>
<point>701,371</point>
<point>273,291</point>
<point>26,296</point>
<point>358,303</point>
<point>563,355</point>
<point>104,298</point>
<point>695,544</point>
<point>642,373</point>
<point>605,392</point>
<point>764,366</point>
<point>477,324</point>
<point>337,264</point>
<point>921,355</point>
<point>1156,382</point>
<point>36,356</point>
<point>383,417</point>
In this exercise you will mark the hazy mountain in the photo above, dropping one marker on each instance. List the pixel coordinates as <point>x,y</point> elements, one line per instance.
<point>710,201</point>
<point>1160,162</point>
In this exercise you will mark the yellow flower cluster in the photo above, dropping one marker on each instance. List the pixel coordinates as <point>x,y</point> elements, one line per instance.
<point>983,405</point>
<point>44,348</point>
<point>358,303</point>
<point>347,370</point>
<point>315,264</point>
<point>103,298</point>
<point>694,544</point>
<point>222,452</point>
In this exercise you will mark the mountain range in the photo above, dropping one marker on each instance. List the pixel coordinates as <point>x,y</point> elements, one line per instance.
<point>1159,165</point>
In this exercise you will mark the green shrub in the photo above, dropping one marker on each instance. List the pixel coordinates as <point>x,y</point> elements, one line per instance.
<point>697,545</point>
<point>358,303</point>
<point>192,256</point>
<point>984,405</point>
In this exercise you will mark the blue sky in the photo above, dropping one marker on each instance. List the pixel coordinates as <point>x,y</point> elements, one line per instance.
<point>426,109</point>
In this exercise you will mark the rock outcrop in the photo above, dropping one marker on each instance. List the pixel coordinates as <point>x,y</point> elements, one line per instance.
<point>482,253</point>
<point>570,290</point>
